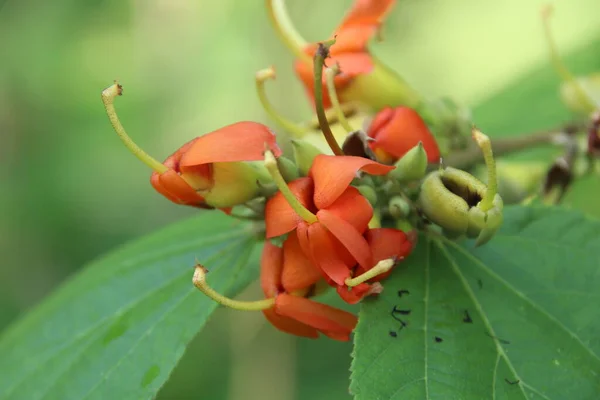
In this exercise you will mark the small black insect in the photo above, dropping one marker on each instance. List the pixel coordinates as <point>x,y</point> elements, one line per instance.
<point>402,292</point>
<point>467,318</point>
<point>511,382</point>
<point>393,334</point>
<point>438,339</point>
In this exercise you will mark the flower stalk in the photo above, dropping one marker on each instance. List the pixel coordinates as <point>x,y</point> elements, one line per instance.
<point>285,29</point>
<point>330,74</point>
<point>199,280</point>
<point>381,267</point>
<point>290,126</point>
<point>108,97</point>
<point>319,61</point>
<point>484,143</point>
<point>273,168</point>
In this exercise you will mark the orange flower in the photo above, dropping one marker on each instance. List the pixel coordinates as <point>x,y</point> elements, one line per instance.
<point>396,131</point>
<point>335,214</point>
<point>385,244</point>
<point>363,79</point>
<point>212,170</point>
<point>289,277</point>
<point>220,169</point>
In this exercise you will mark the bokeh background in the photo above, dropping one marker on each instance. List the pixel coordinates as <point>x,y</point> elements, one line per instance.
<point>69,191</point>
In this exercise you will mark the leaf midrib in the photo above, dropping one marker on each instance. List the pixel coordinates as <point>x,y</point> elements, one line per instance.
<point>499,349</point>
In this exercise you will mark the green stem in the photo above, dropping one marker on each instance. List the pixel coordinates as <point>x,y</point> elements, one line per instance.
<point>108,98</point>
<point>464,159</point>
<point>330,74</point>
<point>290,126</point>
<point>319,61</point>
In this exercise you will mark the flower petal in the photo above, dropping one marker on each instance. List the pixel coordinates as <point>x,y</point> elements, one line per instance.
<point>355,294</point>
<point>280,218</point>
<point>271,267</point>
<point>386,243</point>
<point>400,131</point>
<point>333,174</point>
<point>324,253</point>
<point>298,271</point>
<point>242,141</point>
<point>361,23</point>
<point>174,188</point>
<point>320,316</point>
<point>352,239</point>
<point>290,325</point>
<point>353,208</point>
<point>351,65</point>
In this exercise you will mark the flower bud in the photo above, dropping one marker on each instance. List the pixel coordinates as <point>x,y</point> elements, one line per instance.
<point>304,154</point>
<point>453,199</point>
<point>397,130</point>
<point>399,208</point>
<point>412,166</point>
<point>369,193</point>
<point>288,169</point>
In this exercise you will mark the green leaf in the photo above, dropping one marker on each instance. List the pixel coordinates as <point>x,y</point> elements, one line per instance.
<point>514,319</point>
<point>118,328</point>
<point>532,102</point>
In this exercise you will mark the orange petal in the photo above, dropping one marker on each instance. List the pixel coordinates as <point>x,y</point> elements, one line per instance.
<point>324,254</point>
<point>289,325</point>
<point>386,243</point>
<point>353,208</point>
<point>350,238</point>
<point>298,272</point>
<point>280,218</point>
<point>351,65</point>
<point>320,316</point>
<point>271,267</point>
<point>174,188</point>
<point>302,233</point>
<point>355,294</point>
<point>242,141</point>
<point>398,130</point>
<point>333,174</point>
<point>361,23</point>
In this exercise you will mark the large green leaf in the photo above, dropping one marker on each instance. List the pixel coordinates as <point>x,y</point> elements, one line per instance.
<point>532,103</point>
<point>117,329</point>
<point>515,319</point>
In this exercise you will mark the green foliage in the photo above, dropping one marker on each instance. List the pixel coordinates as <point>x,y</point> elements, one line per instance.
<point>514,319</point>
<point>118,328</point>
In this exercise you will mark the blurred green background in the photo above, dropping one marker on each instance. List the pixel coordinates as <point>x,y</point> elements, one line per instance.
<point>70,191</point>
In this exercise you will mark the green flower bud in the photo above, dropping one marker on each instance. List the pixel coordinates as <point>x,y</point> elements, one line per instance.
<point>412,166</point>
<point>399,208</point>
<point>288,169</point>
<point>304,154</point>
<point>369,193</point>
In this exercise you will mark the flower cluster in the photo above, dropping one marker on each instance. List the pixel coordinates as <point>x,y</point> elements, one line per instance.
<point>345,208</point>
